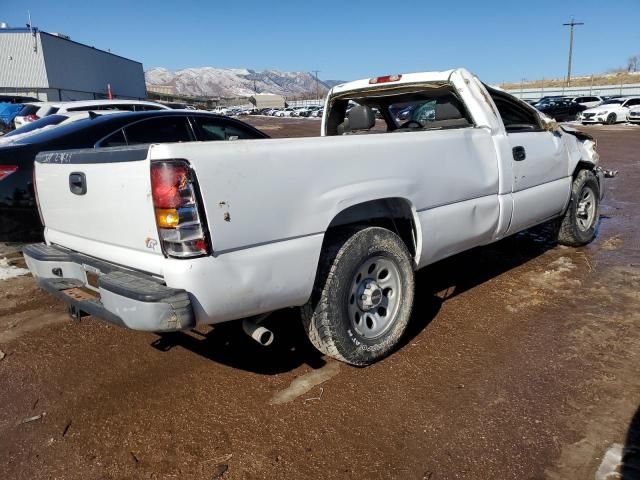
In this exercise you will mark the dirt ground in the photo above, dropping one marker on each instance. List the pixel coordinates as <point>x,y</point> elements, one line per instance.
<point>521,362</point>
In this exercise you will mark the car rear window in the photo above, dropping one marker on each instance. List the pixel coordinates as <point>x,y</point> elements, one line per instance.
<point>43,122</point>
<point>28,110</point>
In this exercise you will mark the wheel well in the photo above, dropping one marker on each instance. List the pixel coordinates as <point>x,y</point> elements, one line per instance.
<point>582,165</point>
<point>394,214</point>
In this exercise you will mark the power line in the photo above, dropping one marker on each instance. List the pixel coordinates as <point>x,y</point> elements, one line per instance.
<point>571,24</point>
<point>317,90</point>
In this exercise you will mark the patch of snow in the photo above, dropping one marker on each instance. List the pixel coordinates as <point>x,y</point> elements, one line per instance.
<point>611,464</point>
<point>9,271</point>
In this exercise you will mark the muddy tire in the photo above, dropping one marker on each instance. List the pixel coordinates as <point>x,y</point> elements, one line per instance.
<point>362,297</point>
<point>578,225</point>
<point>611,119</point>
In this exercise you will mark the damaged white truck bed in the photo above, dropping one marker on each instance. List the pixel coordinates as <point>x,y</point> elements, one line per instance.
<point>410,169</point>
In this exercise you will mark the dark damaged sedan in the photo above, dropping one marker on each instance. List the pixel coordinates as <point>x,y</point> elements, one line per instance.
<point>19,219</point>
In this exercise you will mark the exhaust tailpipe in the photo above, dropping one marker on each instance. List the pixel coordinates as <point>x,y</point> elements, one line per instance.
<point>260,334</point>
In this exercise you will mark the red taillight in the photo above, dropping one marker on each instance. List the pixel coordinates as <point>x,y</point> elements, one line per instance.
<point>385,79</point>
<point>167,180</point>
<point>178,217</point>
<point>6,170</point>
<point>32,118</point>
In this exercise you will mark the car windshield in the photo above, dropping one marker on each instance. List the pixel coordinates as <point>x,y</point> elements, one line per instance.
<point>614,101</point>
<point>43,122</point>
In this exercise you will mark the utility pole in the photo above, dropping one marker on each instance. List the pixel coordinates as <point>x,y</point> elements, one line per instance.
<point>571,24</point>
<point>317,90</point>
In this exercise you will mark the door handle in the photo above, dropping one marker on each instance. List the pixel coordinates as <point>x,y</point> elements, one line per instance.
<point>519,154</point>
<point>78,183</point>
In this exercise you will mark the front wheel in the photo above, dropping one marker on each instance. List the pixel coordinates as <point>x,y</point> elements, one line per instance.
<point>578,225</point>
<point>363,295</point>
<point>611,119</point>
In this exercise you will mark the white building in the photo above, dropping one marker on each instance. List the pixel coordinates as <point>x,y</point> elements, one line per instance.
<point>52,67</point>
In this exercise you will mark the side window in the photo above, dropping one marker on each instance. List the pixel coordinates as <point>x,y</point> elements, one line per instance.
<point>162,129</point>
<point>116,139</point>
<point>120,106</point>
<point>98,108</point>
<point>516,117</point>
<point>633,102</point>
<point>146,108</point>
<point>220,129</point>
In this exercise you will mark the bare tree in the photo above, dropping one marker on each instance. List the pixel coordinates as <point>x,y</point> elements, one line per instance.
<point>633,63</point>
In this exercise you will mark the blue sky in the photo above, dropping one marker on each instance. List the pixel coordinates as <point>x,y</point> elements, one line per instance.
<point>498,40</point>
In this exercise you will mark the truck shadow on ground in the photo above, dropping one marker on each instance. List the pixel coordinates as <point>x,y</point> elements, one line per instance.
<point>227,344</point>
<point>631,455</point>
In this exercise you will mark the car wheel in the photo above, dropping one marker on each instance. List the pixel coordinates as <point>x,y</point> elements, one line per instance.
<point>363,295</point>
<point>578,225</point>
<point>611,119</point>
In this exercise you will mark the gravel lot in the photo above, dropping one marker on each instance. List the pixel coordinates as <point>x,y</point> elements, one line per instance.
<point>521,363</point>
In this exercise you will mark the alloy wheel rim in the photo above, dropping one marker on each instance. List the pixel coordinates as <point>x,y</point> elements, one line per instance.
<point>374,295</point>
<point>586,210</point>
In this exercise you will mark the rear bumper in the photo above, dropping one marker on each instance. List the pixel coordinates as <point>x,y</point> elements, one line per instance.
<point>122,297</point>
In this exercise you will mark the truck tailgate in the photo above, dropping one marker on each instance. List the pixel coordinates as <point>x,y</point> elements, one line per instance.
<point>103,196</point>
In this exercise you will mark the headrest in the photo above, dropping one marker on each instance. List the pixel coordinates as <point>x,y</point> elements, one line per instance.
<point>448,111</point>
<point>361,118</point>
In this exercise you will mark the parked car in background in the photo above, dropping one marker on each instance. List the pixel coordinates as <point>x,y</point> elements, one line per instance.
<point>297,111</point>
<point>19,219</point>
<point>610,111</point>
<point>544,100</point>
<point>562,109</point>
<point>27,113</point>
<point>588,101</point>
<point>634,115</point>
<point>16,99</point>
<point>286,112</point>
<point>308,110</point>
<point>51,121</point>
<point>49,108</point>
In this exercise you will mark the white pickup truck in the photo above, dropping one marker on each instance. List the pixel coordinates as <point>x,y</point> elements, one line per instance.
<point>166,236</point>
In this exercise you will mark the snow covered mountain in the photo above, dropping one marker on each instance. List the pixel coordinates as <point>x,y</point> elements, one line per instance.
<point>235,82</point>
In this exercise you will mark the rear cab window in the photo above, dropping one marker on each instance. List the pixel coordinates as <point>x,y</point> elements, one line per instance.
<point>409,108</point>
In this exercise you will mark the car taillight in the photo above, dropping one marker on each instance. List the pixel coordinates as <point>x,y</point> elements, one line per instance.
<point>32,118</point>
<point>178,216</point>
<point>6,170</point>
<point>385,79</point>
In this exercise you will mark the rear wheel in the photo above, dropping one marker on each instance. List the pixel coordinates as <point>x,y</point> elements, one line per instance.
<point>363,295</point>
<point>611,119</point>
<point>578,225</point>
